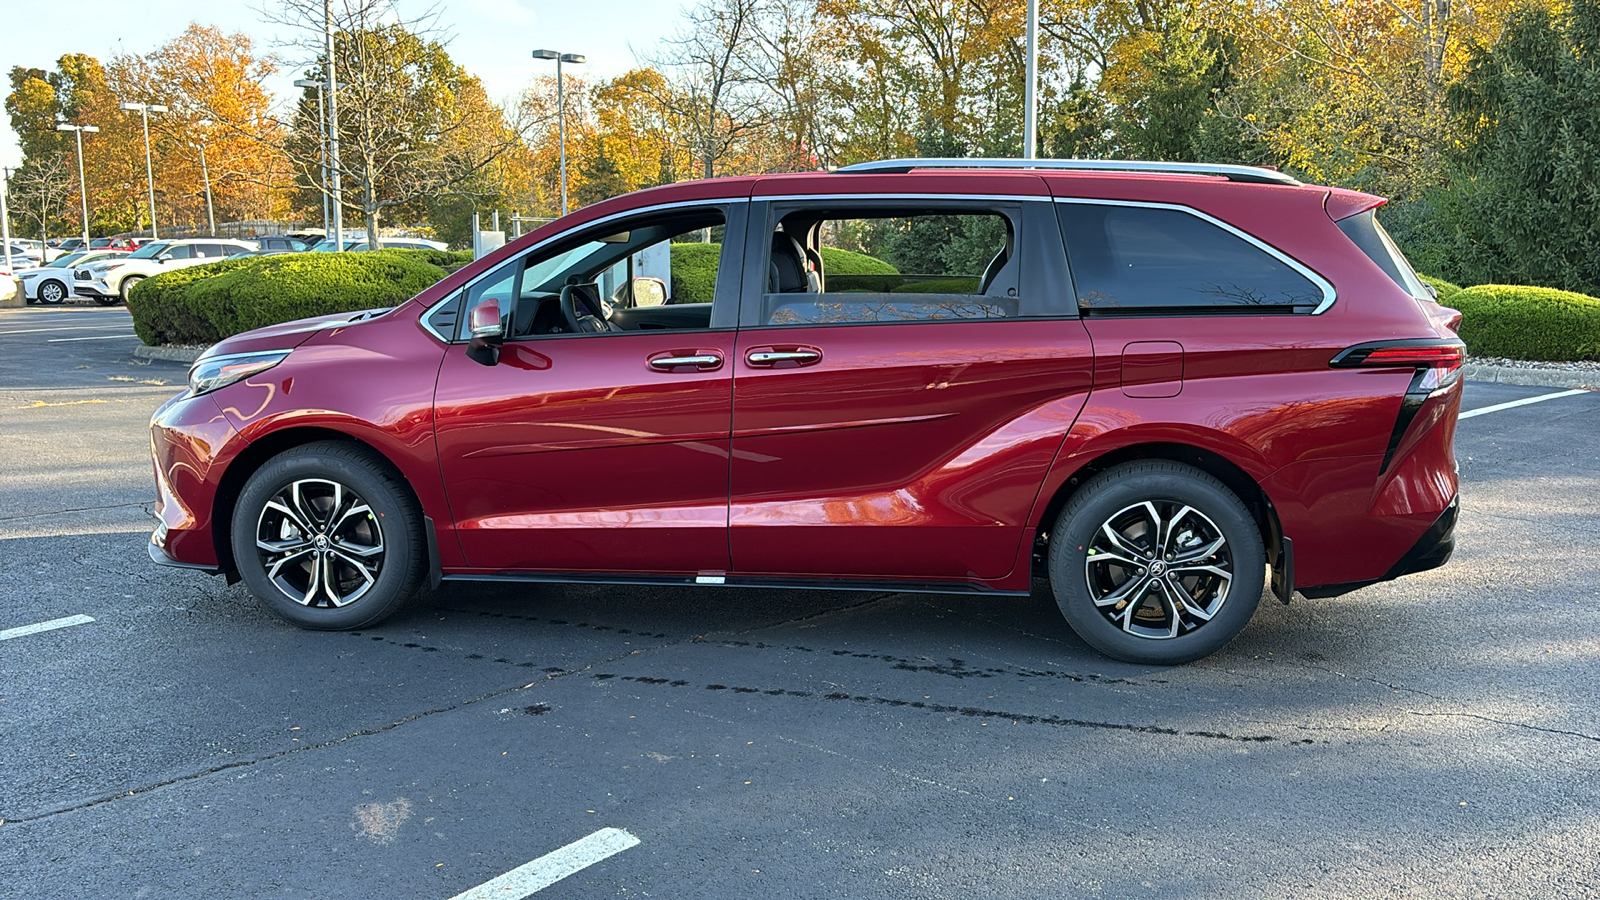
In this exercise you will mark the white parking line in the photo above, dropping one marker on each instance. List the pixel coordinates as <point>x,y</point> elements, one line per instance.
<point>67,328</point>
<point>529,878</point>
<point>51,625</point>
<point>1523,402</point>
<point>99,337</point>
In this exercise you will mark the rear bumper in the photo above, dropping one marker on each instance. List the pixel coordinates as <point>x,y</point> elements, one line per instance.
<point>1431,551</point>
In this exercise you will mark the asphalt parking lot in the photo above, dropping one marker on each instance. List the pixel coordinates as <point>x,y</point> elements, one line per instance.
<point>1436,736</point>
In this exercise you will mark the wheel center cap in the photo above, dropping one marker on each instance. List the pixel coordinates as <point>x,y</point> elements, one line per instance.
<point>321,542</point>
<point>1158,567</point>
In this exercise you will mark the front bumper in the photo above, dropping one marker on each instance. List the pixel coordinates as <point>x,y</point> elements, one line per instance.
<point>94,287</point>
<point>191,443</point>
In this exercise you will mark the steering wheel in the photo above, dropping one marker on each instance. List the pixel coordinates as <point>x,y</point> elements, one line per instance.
<point>590,318</point>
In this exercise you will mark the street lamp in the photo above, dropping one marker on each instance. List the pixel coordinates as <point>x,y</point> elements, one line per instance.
<point>561,109</point>
<point>1030,114</point>
<point>144,110</point>
<point>83,187</point>
<point>322,141</point>
<point>5,219</point>
<point>205,173</point>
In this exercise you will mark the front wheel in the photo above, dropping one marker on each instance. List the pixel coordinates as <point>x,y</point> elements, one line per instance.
<point>1156,562</point>
<point>329,537</point>
<point>52,292</point>
<point>128,285</point>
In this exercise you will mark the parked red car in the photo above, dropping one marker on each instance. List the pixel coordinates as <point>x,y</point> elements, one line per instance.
<point>1159,384</point>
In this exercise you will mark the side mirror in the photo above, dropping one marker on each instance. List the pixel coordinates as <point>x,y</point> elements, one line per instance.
<point>649,292</point>
<point>487,331</point>
<point>164,257</point>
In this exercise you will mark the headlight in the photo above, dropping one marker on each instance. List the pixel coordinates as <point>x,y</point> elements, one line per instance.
<point>220,371</point>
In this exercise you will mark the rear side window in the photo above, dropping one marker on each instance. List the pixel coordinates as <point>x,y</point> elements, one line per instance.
<point>1138,260</point>
<point>828,268</point>
<point>1364,231</point>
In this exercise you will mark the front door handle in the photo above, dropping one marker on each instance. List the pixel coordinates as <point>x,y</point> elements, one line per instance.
<point>700,361</point>
<point>782,357</point>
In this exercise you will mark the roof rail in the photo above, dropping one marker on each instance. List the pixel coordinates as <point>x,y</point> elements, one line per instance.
<point>1245,174</point>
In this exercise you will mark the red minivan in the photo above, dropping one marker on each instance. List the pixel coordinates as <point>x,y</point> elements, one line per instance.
<point>1161,385</point>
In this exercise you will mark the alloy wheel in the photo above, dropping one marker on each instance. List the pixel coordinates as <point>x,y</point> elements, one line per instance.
<point>1158,569</point>
<point>320,543</point>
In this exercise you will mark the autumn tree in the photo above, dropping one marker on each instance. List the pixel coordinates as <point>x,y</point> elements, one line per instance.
<point>412,124</point>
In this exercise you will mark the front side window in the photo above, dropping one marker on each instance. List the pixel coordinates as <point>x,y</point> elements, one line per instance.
<point>653,273</point>
<point>1141,260</point>
<point>835,267</point>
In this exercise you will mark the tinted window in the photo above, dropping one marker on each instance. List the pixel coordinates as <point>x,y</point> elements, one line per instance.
<point>180,251</point>
<point>1133,260</point>
<point>827,269</point>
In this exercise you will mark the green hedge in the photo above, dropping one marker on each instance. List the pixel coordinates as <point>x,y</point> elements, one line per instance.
<point>1529,323</point>
<point>694,272</point>
<point>449,260</point>
<point>1446,289</point>
<point>845,262</point>
<point>204,304</point>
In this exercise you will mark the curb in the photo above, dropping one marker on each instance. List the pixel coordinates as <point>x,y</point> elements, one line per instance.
<point>170,353</point>
<point>1563,378</point>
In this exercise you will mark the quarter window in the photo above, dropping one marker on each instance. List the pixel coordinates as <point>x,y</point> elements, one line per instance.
<point>1133,260</point>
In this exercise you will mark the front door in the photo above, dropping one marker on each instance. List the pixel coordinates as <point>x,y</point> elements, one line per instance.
<point>601,445</point>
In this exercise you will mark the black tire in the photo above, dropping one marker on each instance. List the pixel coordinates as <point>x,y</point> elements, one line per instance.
<point>52,292</point>
<point>337,537</point>
<point>128,285</point>
<point>1136,612</point>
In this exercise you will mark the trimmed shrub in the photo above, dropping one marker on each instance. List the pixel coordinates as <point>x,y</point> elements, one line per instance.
<point>941,284</point>
<point>1446,289</point>
<point>449,260</point>
<point>846,262</point>
<point>203,304</point>
<point>694,272</point>
<point>1529,323</point>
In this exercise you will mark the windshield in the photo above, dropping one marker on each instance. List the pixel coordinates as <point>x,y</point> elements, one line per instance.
<point>62,262</point>
<point>149,251</point>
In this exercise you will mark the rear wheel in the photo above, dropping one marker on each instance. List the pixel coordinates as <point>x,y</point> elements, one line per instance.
<point>1156,562</point>
<point>329,537</point>
<point>52,292</point>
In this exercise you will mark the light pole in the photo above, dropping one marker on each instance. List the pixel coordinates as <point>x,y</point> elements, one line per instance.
<point>5,220</point>
<point>561,109</point>
<point>322,141</point>
<point>83,187</point>
<point>205,173</point>
<point>144,110</point>
<point>1030,116</point>
<point>331,87</point>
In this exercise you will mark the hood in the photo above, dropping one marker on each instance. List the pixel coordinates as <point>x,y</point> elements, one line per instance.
<point>287,335</point>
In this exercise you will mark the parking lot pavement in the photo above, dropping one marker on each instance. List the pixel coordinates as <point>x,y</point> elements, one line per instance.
<point>1435,736</point>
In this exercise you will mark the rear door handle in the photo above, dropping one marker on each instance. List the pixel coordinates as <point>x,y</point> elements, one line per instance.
<point>787,357</point>
<point>701,361</point>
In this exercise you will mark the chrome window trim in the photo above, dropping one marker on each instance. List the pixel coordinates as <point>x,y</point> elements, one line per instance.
<point>637,211</point>
<point>1329,295</point>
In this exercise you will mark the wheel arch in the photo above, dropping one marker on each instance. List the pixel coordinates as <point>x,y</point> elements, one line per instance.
<point>256,454</point>
<point>1232,476</point>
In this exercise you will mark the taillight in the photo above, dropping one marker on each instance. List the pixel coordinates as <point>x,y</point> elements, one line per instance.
<point>1438,361</point>
<point>1436,364</point>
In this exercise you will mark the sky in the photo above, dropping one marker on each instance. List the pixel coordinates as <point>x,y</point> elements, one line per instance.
<point>492,39</point>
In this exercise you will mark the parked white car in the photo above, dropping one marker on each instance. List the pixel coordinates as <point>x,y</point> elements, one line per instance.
<point>52,282</point>
<point>358,243</point>
<point>110,280</point>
